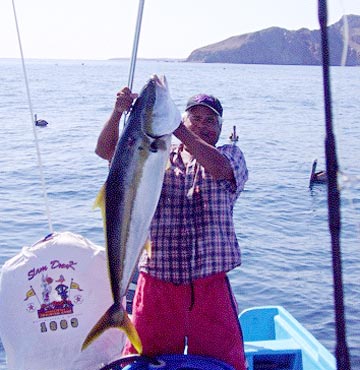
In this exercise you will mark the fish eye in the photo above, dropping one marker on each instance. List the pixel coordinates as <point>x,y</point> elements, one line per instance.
<point>153,147</point>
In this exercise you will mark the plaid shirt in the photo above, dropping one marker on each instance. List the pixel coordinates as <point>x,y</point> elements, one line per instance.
<point>192,232</point>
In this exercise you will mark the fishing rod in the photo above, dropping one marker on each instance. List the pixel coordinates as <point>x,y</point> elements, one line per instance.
<point>342,352</point>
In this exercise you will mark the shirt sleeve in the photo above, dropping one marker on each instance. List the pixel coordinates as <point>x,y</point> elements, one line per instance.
<point>238,164</point>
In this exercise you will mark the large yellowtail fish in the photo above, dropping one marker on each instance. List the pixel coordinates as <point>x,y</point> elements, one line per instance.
<point>131,193</point>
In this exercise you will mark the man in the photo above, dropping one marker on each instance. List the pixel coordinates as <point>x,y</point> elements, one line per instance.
<point>183,296</point>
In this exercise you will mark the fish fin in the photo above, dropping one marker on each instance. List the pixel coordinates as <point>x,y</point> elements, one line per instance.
<point>114,317</point>
<point>100,199</point>
<point>168,165</point>
<point>147,247</point>
<point>100,202</point>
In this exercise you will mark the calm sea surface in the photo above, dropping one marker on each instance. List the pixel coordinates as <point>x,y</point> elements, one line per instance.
<point>280,222</point>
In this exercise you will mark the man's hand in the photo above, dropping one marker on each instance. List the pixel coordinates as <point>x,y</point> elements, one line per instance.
<point>124,100</point>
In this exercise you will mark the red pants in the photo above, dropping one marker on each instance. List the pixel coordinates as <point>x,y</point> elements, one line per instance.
<point>204,312</point>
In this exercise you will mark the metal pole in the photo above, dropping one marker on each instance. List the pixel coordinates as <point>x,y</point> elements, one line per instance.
<point>342,353</point>
<point>135,44</point>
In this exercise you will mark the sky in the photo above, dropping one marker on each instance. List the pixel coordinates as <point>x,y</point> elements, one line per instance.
<point>104,29</point>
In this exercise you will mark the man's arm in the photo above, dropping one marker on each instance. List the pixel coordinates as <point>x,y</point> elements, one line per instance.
<point>109,135</point>
<point>207,155</point>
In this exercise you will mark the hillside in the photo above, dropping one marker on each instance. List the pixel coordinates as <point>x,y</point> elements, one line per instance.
<point>280,46</point>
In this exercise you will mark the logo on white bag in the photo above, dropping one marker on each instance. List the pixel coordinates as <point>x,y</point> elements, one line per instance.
<point>53,292</point>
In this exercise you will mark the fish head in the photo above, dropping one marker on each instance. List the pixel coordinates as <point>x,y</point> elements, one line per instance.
<point>160,114</point>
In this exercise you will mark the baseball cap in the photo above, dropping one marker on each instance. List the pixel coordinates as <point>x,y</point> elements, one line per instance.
<point>207,101</point>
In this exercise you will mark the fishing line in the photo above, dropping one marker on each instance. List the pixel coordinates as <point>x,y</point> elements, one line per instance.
<point>347,181</point>
<point>47,211</point>
<point>345,40</point>
<point>351,183</point>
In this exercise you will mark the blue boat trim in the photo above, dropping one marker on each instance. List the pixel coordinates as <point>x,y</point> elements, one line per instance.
<point>274,338</point>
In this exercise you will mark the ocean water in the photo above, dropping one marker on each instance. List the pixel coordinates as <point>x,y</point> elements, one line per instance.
<point>281,223</point>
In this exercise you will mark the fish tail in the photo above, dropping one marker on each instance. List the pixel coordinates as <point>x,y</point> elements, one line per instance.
<point>131,333</point>
<point>114,317</point>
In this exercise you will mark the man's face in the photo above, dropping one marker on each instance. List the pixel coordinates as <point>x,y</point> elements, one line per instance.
<point>204,123</point>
